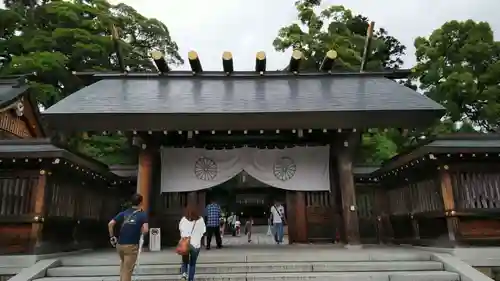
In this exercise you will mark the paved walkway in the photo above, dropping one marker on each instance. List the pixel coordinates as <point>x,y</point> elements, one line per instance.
<point>257,239</point>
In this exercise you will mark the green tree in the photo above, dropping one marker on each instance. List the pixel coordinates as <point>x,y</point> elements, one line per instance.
<point>458,65</point>
<point>52,38</point>
<point>337,28</point>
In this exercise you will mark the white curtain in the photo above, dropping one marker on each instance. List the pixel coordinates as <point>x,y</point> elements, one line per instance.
<point>190,169</point>
<point>298,168</point>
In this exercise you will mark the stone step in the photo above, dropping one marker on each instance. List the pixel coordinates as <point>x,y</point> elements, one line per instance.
<point>8,270</point>
<point>319,276</point>
<point>241,257</point>
<point>253,268</point>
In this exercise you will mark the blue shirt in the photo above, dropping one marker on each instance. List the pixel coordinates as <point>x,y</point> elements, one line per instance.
<point>212,212</point>
<point>130,231</point>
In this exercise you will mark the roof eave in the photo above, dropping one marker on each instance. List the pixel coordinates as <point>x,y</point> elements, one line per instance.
<point>390,74</point>
<point>407,119</point>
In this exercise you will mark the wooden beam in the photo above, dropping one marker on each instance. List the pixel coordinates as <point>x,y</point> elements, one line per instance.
<point>368,43</point>
<point>39,210</point>
<point>300,217</point>
<point>192,199</point>
<point>194,62</point>
<point>160,61</point>
<point>116,42</point>
<point>145,177</point>
<point>294,65</point>
<point>334,192</point>
<point>390,74</point>
<point>32,122</point>
<point>449,204</point>
<point>260,62</point>
<point>227,62</point>
<point>328,61</point>
<point>348,191</point>
<point>415,228</point>
<point>384,227</point>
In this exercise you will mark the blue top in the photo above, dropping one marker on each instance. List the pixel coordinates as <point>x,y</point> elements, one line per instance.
<point>213,213</point>
<point>131,224</point>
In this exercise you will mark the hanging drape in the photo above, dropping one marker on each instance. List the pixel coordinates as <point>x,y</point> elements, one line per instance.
<point>298,168</point>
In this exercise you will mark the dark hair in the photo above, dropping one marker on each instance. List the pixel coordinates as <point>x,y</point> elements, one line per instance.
<point>192,213</point>
<point>136,199</point>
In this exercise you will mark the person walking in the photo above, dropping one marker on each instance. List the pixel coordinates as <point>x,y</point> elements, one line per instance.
<point>231,221</point>
<point>133,222</point>
<point>192,227</point>
<point>213,215</point>
<point>278,220</point>
<point>248,229</point>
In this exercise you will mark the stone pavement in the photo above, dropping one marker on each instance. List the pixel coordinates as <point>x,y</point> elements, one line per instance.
<point>257,239</point>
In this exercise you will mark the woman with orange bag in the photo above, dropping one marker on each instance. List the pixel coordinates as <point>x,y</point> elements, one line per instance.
<point>191,228</point>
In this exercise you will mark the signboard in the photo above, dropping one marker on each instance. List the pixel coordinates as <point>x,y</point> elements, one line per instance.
<point>154,240</point>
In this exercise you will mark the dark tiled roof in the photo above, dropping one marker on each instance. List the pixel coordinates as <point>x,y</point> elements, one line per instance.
<point>362,171</point>
<point>10,92</point>
<point>243,95</point>
<point>43,148</point>
<point>126,171</point>
<point>447,144</point>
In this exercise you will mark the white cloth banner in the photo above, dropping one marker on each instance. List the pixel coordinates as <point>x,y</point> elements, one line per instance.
<point>190,169</point>
<point>298,168</point>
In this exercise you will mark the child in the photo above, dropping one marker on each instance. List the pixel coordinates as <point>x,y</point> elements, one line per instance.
<point>237,226</point>
<point>248,229</point>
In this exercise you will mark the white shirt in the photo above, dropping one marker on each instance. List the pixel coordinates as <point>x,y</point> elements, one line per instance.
<point>186,230</point>
<point>237,223</point>
<point>276,216</point>
<point>232,219</point>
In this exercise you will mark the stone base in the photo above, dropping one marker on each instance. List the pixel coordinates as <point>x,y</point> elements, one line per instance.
<point>353,247</point>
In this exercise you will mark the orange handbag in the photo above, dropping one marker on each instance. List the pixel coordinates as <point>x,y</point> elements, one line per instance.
<point>183,245</point>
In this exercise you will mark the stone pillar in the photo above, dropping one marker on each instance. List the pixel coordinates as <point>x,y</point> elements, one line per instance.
<point>348,191</point>
<point>449,204</point>
<point>145,177</point>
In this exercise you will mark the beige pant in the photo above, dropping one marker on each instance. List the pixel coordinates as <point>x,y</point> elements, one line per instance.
<point>128,257</point>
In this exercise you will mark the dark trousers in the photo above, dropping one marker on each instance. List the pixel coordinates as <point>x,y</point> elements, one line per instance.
<point>211,231</point>
<point>188,267</point>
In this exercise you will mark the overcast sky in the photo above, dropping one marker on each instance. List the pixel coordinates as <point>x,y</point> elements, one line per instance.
<point>246,27</point>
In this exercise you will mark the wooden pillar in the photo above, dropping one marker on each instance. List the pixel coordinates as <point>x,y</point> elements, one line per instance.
<point>415,228</point>
<point>290,216</point>
<point>202,198</point>
<point>192,199</point>
<point>384,229</point>
<point>39,210</point>
<point>334,191</point>
<point>300,217</point>
<point>348,191</point>
<point>449,204</point>
<point>145,177</point>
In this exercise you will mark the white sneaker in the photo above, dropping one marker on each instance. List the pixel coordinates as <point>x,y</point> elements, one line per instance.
<point>184,276</point>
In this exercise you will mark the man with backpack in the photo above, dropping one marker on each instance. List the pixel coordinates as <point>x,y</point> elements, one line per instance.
<point>132,222</point>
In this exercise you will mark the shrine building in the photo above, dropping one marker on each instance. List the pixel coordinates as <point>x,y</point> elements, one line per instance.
<point>290,133</point>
